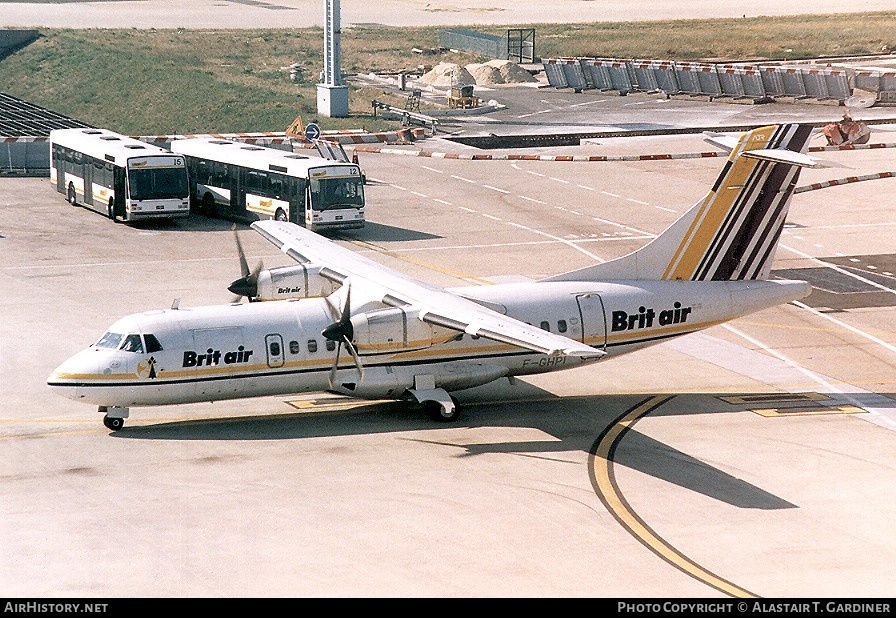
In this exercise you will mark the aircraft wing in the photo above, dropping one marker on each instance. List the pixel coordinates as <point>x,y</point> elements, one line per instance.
<point>436,305</point>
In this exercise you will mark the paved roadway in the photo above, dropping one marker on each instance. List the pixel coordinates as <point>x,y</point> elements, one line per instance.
<point>304,13</point>
<point>757,460</point>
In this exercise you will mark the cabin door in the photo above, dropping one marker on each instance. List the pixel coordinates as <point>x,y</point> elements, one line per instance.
<point>594,320</point>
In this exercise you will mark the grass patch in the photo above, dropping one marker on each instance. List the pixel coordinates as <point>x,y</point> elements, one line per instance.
<point>196,81</point>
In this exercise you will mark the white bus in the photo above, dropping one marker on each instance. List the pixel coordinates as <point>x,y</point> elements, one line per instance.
<point>118,176</point>
<point>247,182</point>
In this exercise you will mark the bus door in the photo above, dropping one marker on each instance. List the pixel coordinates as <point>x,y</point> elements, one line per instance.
<point>593,319</point>
<point>296,195</point>
<point>59,164</point>
<point>88,181</point>
<point>120,186</point>
<point>237,190</point>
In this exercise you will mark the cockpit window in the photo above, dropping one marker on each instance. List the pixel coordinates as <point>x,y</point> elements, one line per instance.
<point>133,343</point>
<point>152,344</point>
<point>110,340</point>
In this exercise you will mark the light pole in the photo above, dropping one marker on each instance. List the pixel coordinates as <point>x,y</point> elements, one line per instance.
<point>332,94</point>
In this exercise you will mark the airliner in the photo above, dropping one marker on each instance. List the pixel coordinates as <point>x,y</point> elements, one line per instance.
<point>338,322</point>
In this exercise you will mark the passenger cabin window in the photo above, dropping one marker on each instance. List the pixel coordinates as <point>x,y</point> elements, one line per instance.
<point>293,347</point>
<point>312,345</point>
<point>546,325</point>
<point>561,326</point>
<point>331,345</point>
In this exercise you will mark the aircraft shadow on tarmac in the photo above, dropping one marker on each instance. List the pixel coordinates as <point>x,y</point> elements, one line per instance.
<point>377,232</point>
<point>577,422</point>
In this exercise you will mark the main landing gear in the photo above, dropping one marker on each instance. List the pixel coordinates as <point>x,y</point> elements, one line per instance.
<point>114,416</point>
<point>436,402</point>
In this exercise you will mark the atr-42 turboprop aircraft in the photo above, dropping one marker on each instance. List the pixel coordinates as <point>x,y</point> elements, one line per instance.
<point>408,340</point>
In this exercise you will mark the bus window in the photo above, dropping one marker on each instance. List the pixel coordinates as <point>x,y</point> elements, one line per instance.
<point>157,183</point>
<point>328,193</point>
<point>257,182</point>
<point>277,188</point>
<point>204,173</point>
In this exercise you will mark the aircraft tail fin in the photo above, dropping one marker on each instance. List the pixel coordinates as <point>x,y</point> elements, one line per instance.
<point>733,232</point>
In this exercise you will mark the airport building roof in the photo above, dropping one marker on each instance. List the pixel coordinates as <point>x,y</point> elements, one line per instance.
<point>19,118</point>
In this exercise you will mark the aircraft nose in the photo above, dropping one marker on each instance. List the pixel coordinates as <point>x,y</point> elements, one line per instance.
<point>74,371</point>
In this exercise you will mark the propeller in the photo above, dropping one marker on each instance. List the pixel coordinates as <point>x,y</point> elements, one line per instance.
<point>247,285</point>
<point>341,331</point>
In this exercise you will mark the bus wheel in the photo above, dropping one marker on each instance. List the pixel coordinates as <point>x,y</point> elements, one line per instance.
<point>71,194</point>
<point>280,215</point>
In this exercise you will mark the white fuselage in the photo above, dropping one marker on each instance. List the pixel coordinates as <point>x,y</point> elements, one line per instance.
<point>276,348</point>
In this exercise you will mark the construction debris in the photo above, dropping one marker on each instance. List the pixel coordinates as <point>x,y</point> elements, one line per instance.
<point>846,132</point>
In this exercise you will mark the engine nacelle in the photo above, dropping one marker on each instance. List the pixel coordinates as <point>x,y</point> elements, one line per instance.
<point>395,329</point>
<point>301,281</point>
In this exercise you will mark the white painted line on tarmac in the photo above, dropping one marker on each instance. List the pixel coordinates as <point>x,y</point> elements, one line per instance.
<point>625,227</point>
<point>879,416</point>
<point>496,189</point>
<point>558,239</point>
<point>472,182</point>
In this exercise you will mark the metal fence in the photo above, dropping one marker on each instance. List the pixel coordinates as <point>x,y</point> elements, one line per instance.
<point>756,82</point>
<point>516,44</point>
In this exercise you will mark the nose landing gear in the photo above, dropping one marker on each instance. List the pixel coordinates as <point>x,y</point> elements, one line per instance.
<point>114,416</point>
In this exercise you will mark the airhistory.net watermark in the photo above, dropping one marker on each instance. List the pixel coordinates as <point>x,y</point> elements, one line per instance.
<point>36,607</point>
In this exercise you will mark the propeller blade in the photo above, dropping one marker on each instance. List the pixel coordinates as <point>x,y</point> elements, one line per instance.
<point>341,331</point>
<point>247,285</point>
<point>244,265</point>
<point>354,353</point>
<point>332,377</point>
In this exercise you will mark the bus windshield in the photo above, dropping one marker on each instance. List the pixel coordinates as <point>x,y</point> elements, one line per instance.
<point>158,183</point>
<point>333,193</point>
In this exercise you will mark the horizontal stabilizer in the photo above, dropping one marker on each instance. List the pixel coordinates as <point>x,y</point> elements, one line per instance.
<point>778,155</point>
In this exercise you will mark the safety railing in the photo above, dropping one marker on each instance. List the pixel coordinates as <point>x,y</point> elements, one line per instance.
<point>738,81</point>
